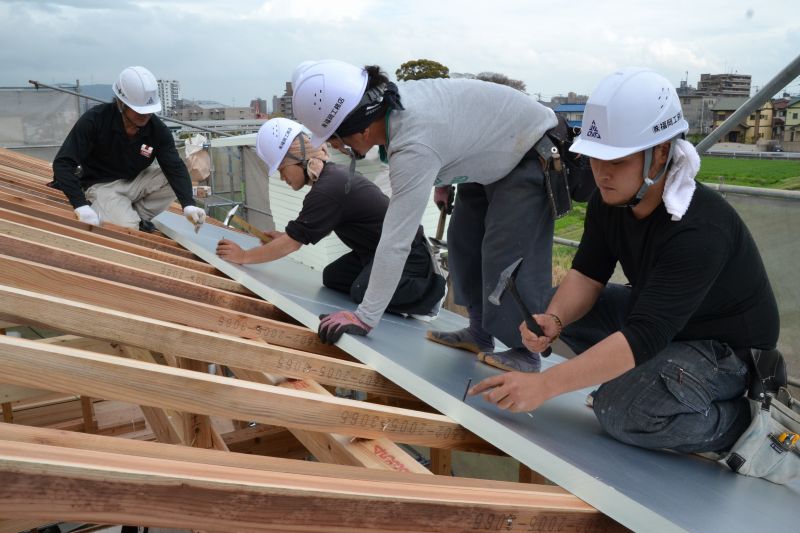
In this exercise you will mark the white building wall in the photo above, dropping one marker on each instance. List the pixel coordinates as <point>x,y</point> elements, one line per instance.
<point>170,92</point>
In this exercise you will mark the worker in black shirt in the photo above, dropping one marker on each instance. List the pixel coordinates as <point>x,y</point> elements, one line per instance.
<point>671,349</point>
<point>105,165</point>
<point>348,205</point>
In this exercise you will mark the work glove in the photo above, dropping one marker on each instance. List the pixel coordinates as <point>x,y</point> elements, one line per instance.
<point>332,326</point>
<point>85,213</point>
<point>195,215</point>
<point>444,197</point>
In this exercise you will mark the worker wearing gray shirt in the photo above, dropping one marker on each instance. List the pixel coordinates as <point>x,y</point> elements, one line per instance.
<point>441,132</point>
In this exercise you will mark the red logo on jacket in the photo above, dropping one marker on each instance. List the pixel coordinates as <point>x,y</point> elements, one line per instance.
<point>146,151</point>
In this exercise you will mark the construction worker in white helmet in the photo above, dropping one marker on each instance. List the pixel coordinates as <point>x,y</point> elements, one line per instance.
<point>348,205</point>
<point>436,133</point>
<point>106,167</point>
<point>673,350</point>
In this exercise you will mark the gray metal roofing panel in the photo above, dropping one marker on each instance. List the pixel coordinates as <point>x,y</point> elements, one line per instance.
<point>644,490</point>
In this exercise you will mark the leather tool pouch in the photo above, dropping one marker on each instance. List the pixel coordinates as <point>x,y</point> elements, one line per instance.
<point>567,175</point>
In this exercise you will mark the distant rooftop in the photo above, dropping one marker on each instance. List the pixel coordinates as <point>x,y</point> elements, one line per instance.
<point>570,108</point>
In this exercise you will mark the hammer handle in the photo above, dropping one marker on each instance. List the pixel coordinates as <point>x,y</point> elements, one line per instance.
<point>440,226</point>
<point>529,321</point>
<point>252,230</point>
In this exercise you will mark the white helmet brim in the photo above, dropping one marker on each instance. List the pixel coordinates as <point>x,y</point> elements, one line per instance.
<point>600,151</point>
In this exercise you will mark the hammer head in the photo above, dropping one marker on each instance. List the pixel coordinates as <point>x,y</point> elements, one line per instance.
<point>506,276</point>
<point>230,214</point>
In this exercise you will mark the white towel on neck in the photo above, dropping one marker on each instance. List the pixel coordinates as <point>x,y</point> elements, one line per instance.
<point>680,184</point>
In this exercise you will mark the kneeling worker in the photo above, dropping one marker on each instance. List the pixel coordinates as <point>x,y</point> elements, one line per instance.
<point>105,165</point>
<point>672,351</point>
<point>352,207</point>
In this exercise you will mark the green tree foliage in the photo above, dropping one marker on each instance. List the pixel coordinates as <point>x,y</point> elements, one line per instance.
<point>421,69</point>
<point>496,77</point>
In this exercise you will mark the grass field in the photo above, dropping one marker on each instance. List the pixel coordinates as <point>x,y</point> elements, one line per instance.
<point>764,173</point>
<point>769,174</point>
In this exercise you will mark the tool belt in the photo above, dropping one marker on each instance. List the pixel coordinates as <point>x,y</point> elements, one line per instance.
<point>770,447</point>
<point>567,175</point>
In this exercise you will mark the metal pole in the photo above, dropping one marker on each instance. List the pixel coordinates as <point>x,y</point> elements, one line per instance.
<point>783,78</point>
<point>38,84</point>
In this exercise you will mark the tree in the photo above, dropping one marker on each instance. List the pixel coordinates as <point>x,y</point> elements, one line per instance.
<point>420,69</point>
<point>502,79</point>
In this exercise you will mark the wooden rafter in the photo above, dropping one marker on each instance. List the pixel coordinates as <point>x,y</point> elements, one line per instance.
<point>137,249</point>
<point>193,343</point>
<point>153,491</point>
<point>122,273</point>
<point>145,263</point>
<point>28,363</point>
<point>37,277</point>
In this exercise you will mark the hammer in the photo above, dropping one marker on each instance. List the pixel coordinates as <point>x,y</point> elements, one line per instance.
<point>245,225</point>
<point>507,283</point>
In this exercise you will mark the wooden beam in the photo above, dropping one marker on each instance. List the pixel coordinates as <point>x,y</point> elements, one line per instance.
<point>166,423</point>
<point>76,485</point>
<point>39,169</point>
<point>441,462</point>
<point>109,242</point>
<point>181,341</point>
<point>526,475</point>
<point>75,286</point>
<point>89,425</point>
<point>29,198</point>
<point>29,363</point>
<point>188,429</point>
<point>50,412</point>
<point>134,237</point>
<point>22,179</point>
<point>340,449</point>
<point>145,263</point>
<point>48,255</point>
<point>82,441</point>
<point>34,193</point>
<point>29,207</point>
<point>265,440</point>
<point>13,393</point>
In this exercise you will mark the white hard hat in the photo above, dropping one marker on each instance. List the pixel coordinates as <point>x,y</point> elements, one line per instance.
<point>629,111</point>
<point>325,92</point>
<point>137,88</point>
<point>274,138</point>
<point>298,72</point>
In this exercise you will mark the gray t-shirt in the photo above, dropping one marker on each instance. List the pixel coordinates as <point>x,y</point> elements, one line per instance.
<point>451,131</point>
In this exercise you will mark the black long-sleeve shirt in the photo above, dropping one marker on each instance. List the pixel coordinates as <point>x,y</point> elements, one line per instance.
<point>694,279</point>
<point>99,144</point>
<point>356,217</point>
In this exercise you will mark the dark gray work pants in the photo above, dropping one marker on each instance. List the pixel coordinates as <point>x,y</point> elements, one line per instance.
<point>492,226</point>
<point>689,397</point>
<point>419,290</point>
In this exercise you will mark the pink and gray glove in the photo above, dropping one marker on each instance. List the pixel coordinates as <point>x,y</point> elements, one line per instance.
<point>332,326</point>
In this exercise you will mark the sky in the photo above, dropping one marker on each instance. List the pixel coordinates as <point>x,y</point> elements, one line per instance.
<point>234,50</point>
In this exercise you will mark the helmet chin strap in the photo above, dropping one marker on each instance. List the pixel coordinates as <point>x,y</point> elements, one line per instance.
<point>353,158</point>
<point>125,120</point>
<point>647,181</point>
<point>302,160</point>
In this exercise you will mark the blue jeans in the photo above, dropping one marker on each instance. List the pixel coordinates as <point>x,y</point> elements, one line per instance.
<point>689,397</point>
